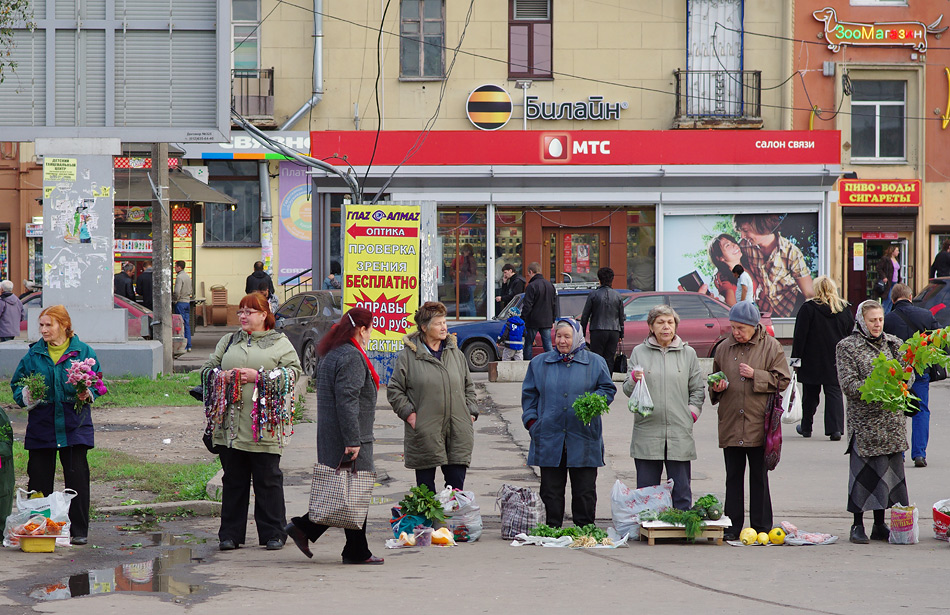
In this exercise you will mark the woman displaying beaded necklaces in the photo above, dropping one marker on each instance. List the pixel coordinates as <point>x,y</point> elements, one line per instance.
<point>250,429</point>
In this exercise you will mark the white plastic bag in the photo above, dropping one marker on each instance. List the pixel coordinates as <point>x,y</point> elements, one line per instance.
<point>462,515</point>
<point>626,504</point>
<point>904,527</point>
<point>792,402</point>
<point>640,400</point>
<point>54,506</point>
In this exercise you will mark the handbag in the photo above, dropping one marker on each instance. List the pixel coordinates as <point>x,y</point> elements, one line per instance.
<point>773,431</point>
<point>339,497</point>
<point>792,401</point>
<point>620,360</point>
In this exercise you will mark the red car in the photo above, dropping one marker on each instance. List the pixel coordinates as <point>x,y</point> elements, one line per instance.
<point>139,319</point>
<point>704,321</point>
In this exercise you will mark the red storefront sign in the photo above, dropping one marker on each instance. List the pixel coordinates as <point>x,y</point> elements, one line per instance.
<point>580,147</point>
<point>876,235</point>
<point>568,257</point>
<point>879,193</point>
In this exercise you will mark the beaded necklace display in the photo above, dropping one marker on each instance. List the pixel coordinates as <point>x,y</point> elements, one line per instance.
<point>273,410</point>
<point>222,396</point>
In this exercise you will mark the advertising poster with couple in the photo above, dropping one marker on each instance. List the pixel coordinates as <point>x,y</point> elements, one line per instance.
<point>778,251</point>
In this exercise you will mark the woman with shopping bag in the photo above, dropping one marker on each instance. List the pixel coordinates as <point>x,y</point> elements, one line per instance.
<point>347,386</point>
<point>670,370</point>
<point>61,422</point>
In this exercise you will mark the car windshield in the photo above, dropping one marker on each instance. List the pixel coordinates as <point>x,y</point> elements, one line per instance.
<point>506,313</point>
<point>929,292</point>
<point>571,305</point>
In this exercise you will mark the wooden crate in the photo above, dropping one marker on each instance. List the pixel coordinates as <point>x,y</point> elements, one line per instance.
<point>713,532</point>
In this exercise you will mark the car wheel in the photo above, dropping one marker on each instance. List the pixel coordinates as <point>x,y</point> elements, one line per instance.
<point>310,360</point>
<point>479,355</point>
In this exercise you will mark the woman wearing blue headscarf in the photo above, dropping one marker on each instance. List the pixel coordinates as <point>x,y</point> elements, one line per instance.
<point>560,444</point>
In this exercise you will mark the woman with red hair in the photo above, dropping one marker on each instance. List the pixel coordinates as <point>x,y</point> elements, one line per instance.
<point>62,420</point>
<point>347,385</point>
<point>249,428</point>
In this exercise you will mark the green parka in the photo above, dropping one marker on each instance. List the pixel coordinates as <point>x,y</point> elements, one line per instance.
<point>267,349</point>
<point>442,395</point>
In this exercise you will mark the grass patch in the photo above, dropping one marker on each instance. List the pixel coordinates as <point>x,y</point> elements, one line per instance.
<point>168,481</point>
<point>137,391</point>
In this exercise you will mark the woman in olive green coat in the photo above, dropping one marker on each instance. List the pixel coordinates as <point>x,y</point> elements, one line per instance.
<point>247,453</point>
<point>432,391</point>
<point>676,385</point>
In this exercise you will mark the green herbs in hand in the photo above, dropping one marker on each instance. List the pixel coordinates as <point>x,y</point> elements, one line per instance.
<point>590,405</point>
<point>35,384</point>
<point>421,502</point>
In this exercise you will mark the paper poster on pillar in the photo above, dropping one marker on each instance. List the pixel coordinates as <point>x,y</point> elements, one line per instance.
<point>381,267</point>
<point>294,231</point>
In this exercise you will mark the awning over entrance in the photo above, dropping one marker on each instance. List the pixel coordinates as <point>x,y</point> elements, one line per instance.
<point>133,186</point>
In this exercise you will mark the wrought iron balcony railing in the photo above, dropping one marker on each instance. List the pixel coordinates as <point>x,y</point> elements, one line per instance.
<point>252,92</point>
<point>709,97</point>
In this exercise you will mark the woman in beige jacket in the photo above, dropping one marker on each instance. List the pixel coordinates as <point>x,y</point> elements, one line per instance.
<point>755,368</point>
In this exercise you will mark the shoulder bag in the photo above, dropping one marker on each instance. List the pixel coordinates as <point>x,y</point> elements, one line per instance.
<point>620,360</point>
<point>773,431</point>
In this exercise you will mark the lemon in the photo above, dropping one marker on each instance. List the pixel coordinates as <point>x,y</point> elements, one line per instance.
<point>777,536</point>
<point>747,536</point>
<point>763,538</point>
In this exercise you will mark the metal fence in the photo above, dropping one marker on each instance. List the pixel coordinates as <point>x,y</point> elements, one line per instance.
<point>252,91</point>
<point>718,94</point>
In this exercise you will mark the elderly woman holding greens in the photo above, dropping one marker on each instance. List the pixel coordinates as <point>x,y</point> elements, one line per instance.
<point>561,445</point>
<point>255,363</point>
<point>432,391</point>
<point>755,368</point>
<point>877,437</point>
<point>675,380</point>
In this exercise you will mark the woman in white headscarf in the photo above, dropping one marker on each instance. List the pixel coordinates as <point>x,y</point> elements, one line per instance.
<point>561,444</point>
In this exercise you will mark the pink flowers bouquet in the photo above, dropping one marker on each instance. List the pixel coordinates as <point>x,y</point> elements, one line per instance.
<point>80,375</point>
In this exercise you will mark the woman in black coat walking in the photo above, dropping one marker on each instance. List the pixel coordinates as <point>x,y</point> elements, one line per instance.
<point>347,386</point>
<point>822,322</point>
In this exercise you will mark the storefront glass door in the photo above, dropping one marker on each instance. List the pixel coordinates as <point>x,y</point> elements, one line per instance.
<point>576,254</point>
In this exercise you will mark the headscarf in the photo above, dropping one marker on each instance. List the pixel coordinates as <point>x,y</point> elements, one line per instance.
<point>861,327</point>
<point>578,338</point>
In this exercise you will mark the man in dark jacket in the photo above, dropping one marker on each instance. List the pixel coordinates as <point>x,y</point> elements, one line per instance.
<point>143,285</point>
<point>941,264</point>
<point>512,285</point>
<point>903,321</point>
<point>122,283</point>
<point>538,310</point>
<point>604,312</point>
<point>254,280</point>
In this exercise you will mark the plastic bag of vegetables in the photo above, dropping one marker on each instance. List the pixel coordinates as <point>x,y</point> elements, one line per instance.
<point>641,402</point>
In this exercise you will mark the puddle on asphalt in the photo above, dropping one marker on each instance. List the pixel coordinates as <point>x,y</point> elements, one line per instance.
<point>152,576</point>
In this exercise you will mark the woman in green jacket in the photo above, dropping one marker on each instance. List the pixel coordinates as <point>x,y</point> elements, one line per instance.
<point>432,391</point>
<point>676,385</point>
<point>259,360</point>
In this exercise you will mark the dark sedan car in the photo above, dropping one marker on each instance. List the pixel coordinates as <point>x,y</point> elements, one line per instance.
<point>305,319</point>
<point>936,298</point>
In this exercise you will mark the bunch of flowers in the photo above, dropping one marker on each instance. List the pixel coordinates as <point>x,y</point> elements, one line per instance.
<point>80,375</point>
<point>888,382</point>
<point>35,384</point>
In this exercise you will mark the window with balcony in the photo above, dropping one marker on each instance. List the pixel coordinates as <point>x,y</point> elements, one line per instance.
<point>245,34</point>
<point>530,40</point>
<point>422,39</point>
<point>878,129</point>
<point>240,224</point>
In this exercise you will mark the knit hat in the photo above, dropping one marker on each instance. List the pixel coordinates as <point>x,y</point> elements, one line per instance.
<point>745,312</point>
<point>515,311</point>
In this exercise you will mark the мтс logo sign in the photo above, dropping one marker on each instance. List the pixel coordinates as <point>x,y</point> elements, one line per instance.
<point>555,147</point>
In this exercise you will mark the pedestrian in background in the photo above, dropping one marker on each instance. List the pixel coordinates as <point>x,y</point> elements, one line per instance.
<point>561,445</point>
<point>347,385</point>
<point>11,312</point>
<point>254,280</point>
<point>143,285</point>
<point>538,310</point>
<point>822,322</point>
<point>512,285</point>
<point>511,339</point>
<point>122,283</point>
<point>744,288</point>
<point>941,265</point>
<point>755,368</point>
<point>333,281</point>
<point>676,385</point>
<point>902,322</point>
<point>888,273</point>
<point>245,453</point>
<point>181,298</point>
<point>877,437</point>
<point>603,310</point>
<point>62,423</point>
<point>271,299</point>
<point>432,391</point>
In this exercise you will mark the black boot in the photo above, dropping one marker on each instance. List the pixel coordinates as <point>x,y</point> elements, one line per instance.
<point>879,531</point>
<point>858,536</point>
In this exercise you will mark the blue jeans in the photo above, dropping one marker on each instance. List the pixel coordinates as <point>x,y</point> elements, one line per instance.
<point>183,309</point>
<point>920,422</point>
<point>886,302</point>
<point>529,341</point>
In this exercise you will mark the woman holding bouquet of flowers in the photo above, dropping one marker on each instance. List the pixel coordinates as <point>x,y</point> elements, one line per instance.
<point>61,419</point>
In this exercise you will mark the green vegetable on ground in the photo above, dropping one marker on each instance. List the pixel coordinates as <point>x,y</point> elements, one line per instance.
<point>545,531</point>
<point>588,406</point>
<point>421,502</point>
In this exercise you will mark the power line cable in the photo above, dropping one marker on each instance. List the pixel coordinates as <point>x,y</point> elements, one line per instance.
<point>256,28</point>
<point>379,72</point>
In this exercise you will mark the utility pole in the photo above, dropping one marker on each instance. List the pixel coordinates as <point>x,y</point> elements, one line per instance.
<point>161,255</point>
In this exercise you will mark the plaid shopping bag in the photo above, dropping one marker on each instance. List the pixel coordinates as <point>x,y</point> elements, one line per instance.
<point>339,497</point>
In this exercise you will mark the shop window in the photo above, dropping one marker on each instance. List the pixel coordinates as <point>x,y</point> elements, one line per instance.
<point>641,249</point>
<point>530,41</point>
<point>245,34</point>
<point>422,39</point>
<point>462,275</point>
<point>239,224</point>
<point>509,244</point>
<point>877,120</point>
